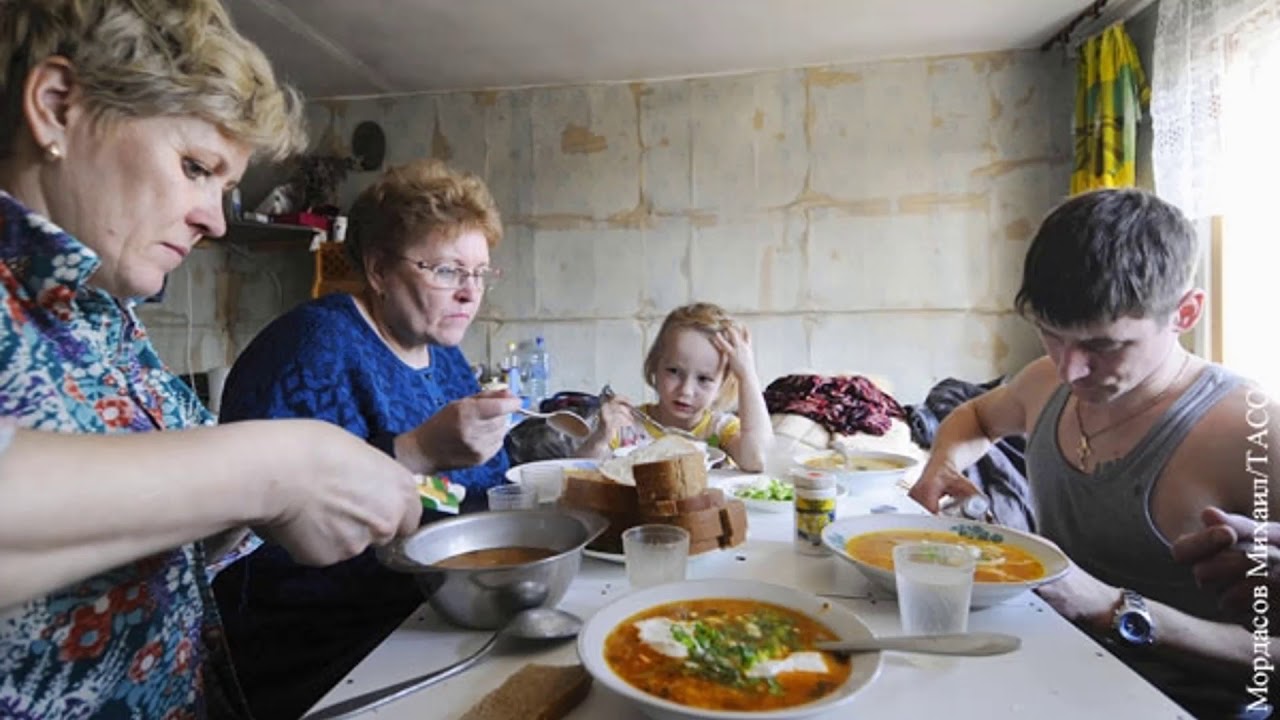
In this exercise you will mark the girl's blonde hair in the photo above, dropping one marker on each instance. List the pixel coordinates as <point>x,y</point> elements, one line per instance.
<point>708,319</point>
<point>412,201</point>
<point>150,58</point>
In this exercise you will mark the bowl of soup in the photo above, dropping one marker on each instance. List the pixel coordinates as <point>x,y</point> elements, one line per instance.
<point>479,570</point>
<point>1009,562</point>
<point>726,649</point>
<point>860,471</point>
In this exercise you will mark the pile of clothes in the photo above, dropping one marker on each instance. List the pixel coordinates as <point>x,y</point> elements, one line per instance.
<point>1001,473</point>
<point>844,404</point>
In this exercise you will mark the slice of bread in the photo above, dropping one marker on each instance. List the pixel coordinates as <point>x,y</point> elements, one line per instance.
<point>619,469</point>
<point>677,478</point>
<point>534,692</point>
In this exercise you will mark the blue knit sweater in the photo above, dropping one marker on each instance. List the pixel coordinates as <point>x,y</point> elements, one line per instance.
<point>294,631</point>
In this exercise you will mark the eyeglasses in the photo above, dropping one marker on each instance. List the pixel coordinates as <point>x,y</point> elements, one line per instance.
<point>444,276</point>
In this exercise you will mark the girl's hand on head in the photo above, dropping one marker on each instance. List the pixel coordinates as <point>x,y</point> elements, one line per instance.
<point>734,343</point>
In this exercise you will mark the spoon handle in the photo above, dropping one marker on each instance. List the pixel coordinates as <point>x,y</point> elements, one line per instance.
<point>382,696</point>
<point>975,644</point>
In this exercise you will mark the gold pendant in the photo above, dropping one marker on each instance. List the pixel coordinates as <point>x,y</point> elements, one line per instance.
<point>1084,452</point>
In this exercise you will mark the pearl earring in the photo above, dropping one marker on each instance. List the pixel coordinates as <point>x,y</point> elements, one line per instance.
<point>53,152</point>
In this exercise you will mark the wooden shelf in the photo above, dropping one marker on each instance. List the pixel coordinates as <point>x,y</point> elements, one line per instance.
<point>268,236</point>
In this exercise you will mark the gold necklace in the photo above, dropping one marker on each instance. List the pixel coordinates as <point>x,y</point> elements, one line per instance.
<point>1085,450</point>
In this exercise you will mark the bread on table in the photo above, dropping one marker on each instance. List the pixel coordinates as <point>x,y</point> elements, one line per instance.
<point>662,483</point>
<point>534,692</point>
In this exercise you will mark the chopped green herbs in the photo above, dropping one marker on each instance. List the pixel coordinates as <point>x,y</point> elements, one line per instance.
<point>725,649</point>
<point>774,490</point>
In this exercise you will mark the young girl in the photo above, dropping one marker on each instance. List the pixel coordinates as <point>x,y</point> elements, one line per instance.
<point>700,363</point>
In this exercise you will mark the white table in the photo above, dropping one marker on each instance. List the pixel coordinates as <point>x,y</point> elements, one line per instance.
<point>1058,673</point>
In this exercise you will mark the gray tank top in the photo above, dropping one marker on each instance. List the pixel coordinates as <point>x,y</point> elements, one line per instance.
<point>1103,521</point>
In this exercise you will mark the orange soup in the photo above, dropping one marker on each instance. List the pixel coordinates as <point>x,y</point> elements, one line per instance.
<point>494,557</point>
<point>725,654</point>
<point>997,561</point>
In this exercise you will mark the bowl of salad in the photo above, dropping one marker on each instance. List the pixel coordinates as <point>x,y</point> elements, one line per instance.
<point>765,493</point>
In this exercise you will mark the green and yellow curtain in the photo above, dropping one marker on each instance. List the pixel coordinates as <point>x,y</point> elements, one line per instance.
<point>1110,92</point>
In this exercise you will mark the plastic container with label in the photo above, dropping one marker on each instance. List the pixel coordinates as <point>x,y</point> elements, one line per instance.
<point>815,502</point>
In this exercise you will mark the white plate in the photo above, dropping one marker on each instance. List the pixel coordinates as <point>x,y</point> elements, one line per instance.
<point>621,559</point>
<point>605,556</point>
<point>715,456</point>
<point>858,482</point>
<point>547,475</point>
<point>1056,564</point>
<point>765,506</point>
<point>839,619</point>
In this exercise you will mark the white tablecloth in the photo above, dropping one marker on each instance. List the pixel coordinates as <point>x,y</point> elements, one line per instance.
<point>1058,673</point>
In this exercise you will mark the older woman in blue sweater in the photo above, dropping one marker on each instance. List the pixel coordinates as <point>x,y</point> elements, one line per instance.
<point>385,365</point>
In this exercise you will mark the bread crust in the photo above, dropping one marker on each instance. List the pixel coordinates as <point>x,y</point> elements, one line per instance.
<point>672,491</point>
<point>537,692</point>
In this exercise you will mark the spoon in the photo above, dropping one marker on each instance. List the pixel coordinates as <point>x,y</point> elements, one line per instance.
<point>666,430</point>
<point>566,421</point>
<point>607,394</point>
<point>972,644</point>
<point>533,624</point>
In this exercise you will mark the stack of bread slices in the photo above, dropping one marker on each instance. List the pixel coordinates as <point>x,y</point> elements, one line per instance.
<point>664,483</point>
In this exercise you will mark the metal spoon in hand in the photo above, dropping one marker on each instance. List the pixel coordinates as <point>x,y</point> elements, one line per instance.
<point>565,421</point>
<point>539,624</point>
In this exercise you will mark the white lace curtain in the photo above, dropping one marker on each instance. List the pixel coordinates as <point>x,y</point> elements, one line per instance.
<point>1209,79</point>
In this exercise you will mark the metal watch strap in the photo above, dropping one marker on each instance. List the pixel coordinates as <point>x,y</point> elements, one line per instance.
<point>1133,603</point>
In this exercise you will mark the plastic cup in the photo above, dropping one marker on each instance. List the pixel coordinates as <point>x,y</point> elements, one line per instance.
<point>935,583</point>
<point>513,497</point>
<point>655,554</point>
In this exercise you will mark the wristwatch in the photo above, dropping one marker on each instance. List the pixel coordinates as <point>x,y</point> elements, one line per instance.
<point>1132,623</point>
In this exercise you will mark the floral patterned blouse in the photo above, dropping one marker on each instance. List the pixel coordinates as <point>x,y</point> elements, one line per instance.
<point>141,640</point>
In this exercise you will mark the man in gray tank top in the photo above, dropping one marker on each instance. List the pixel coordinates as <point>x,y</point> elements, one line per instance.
<point>1131,439</point>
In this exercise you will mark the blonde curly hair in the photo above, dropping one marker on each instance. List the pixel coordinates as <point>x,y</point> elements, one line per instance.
<point>416,199</point>
<point>708,319</point>
<point>149,58</point>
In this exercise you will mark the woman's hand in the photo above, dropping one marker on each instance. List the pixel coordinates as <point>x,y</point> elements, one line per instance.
<point>336,495</point>
<point>462,434</point>
<point>734,344</point>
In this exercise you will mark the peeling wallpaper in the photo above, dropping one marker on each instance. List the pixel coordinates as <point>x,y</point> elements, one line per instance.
<point>867,218</point>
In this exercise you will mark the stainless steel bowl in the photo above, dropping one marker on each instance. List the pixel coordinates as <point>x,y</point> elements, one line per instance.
<point>486,598</point>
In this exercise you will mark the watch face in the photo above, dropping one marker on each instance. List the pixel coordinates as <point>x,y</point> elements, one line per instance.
<point>1134,627</point>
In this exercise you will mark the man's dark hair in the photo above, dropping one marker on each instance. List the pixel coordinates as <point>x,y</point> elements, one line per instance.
<point>1108,254</point>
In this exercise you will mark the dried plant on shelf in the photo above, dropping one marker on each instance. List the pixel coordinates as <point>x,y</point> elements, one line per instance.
<point>316,179</point>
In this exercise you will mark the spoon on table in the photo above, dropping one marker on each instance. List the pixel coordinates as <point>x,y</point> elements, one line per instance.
<point>533,624</point>
<point>566,421</point>
<point>972,644</point>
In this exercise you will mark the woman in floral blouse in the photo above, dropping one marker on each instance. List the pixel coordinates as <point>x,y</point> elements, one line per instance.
<point>123,123</point>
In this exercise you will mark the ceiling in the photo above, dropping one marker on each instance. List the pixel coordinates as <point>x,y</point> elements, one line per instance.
<point>338,48</point>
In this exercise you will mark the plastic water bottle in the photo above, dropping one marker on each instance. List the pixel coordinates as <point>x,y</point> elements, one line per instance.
<point>539,371</point>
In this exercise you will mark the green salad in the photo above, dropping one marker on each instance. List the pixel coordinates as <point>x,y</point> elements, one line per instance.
<point>774,490</point>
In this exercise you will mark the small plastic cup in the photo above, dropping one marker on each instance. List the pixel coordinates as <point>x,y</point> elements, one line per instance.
<point>655,554</point>
<point>934,583</point>
<point>513,497</point>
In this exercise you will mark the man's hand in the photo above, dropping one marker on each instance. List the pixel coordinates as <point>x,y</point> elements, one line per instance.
<point>937,480</point>
<point>464,433</point>
<point>1082,598</point>
<point>1219,561</point>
